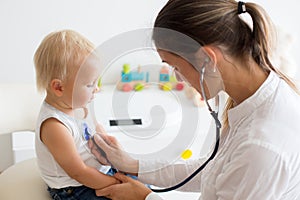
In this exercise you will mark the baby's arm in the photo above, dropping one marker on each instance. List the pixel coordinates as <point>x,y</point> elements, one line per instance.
<point>60,143</point>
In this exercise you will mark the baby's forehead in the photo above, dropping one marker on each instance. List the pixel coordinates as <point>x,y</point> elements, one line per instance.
<point>91,63</point>
<point>91,67</point>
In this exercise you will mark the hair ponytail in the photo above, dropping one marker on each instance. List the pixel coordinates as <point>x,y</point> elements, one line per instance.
<point>218,22</point>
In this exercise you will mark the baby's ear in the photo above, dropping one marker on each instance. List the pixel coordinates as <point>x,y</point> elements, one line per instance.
<point>56,87</point>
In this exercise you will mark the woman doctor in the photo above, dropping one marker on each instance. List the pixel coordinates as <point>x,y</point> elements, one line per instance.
<point>259,154</point>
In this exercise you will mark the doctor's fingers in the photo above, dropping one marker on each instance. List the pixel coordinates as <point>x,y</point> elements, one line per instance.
<point>122,178</point>
<point>110,140</point>
<point>106,192</point>
<point>100,129</point>
<point>102,142</point>
<point>91,144</point>
<point>114,192</point>
<point>102,159</point>
<point>105,149</point>
<point>123,191</point>
<point>128,189</point>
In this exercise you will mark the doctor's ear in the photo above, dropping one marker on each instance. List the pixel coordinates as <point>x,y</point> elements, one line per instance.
<point>210,56</point>
<point>207,53</point>
<point>56,87</point>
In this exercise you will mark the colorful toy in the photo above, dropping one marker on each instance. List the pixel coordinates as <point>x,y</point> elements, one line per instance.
<point>99,85</point>
<point>132,80</point>
<point>168,82</point>
<point>186,154</point>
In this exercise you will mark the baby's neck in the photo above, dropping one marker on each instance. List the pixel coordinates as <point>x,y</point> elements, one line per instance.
<point>59,105</point>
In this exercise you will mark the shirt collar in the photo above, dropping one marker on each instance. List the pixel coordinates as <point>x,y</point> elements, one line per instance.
<point>251,103</point>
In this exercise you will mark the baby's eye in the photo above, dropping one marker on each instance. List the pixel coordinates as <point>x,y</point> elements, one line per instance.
<point>91,85</point>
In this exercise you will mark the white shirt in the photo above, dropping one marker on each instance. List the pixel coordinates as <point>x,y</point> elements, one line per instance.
<point>51,172</point>
<point>259,158</point>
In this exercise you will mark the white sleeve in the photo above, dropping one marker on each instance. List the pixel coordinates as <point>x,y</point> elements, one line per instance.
<point>170,175</point>
<point>255,172</point>
<point>153,196</point>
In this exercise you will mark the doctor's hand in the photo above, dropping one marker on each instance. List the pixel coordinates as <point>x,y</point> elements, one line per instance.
<point>113,154</point>
<point>127,189</point>
<point>99,128</point>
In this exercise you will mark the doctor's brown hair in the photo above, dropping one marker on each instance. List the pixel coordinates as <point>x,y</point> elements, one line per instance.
<point>218,22</point>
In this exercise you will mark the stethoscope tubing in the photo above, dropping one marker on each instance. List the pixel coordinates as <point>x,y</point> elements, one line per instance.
<point>198,170</point>
<point>218,127</point>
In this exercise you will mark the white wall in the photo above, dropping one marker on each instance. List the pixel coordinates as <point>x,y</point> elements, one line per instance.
<point>25,23</point>
<point>285,14</point>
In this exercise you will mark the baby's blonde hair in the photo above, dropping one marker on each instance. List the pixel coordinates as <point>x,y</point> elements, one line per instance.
<point>59,54</point>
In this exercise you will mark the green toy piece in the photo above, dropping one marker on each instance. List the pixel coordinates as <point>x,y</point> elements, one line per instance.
<point>99,84</point>
<point>126,68</point>
<point>139,87</point>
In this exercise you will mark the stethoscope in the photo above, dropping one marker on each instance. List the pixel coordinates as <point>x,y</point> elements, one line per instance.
<point>218,127</point>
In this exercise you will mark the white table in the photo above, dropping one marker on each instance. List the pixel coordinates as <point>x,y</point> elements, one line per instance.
<point>162,114</point>
<point>151,138</point>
